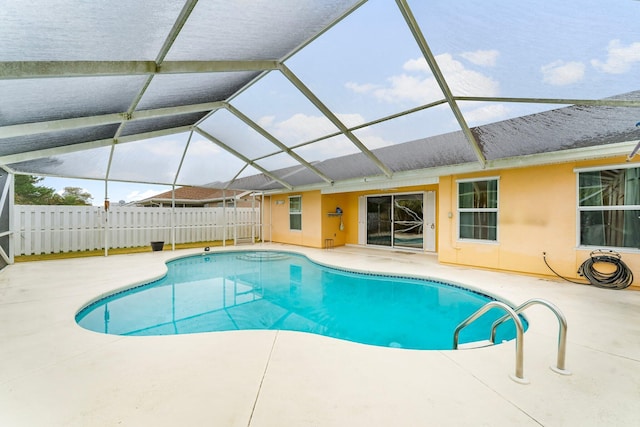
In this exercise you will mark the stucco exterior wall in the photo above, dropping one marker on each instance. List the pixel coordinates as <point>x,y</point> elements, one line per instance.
<point>330,223</point>
<point>537,214</point>
<point>312,220</point>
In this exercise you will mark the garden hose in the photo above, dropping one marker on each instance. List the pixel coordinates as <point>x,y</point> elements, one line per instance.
<point>620,278</point>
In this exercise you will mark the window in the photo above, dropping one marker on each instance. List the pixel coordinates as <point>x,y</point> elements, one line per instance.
<point>295,213</point>
<point>478,209</point>
<point>609,207</point>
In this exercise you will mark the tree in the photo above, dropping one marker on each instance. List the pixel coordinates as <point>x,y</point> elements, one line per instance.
<point>28,193</point>
<point>75,196</point>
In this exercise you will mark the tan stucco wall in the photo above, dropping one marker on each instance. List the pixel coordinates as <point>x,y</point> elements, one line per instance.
<point>537,213</point>
<point>331,224</point>
<point>312,220</point>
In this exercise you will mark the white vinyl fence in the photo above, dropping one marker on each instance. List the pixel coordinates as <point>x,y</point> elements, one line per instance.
<point>53,229</point>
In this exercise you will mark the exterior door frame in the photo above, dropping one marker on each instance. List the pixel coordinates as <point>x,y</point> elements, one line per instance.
<point>428,214</point>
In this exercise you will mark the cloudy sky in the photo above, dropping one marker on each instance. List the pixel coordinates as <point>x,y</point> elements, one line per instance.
<point>369,66</point>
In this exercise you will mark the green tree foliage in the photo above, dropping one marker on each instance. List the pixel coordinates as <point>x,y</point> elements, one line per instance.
<point>75,196</point>
<point>27,192</point>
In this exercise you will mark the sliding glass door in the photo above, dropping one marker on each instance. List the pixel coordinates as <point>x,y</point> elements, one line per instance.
<point>408,221</point>
<point>379,220</point>
<point>396,220</point>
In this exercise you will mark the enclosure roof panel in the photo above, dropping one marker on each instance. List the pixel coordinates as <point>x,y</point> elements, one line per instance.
<point>287,95</point>
<point>552,131</point>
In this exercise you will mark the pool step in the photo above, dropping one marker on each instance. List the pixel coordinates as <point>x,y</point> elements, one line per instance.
<point>475,344</point>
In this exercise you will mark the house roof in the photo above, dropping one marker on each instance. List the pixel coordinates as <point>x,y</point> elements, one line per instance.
<point>189,193</point>
<point>554,131</point>
<point>192,97</point>
<point>199,194</point>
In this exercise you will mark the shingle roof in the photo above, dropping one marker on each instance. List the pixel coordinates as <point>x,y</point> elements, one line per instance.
<point>191,193</point>
<point>550,131</point>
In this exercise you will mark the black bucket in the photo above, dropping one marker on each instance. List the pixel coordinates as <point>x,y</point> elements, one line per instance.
<point>157,246</point>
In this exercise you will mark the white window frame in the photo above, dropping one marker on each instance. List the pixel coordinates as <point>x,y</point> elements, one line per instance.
<point>579,208</point>
<point>460,210</point>
<point>292,212</point>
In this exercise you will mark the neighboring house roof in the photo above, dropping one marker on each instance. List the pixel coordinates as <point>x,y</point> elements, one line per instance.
<point>194,195</point>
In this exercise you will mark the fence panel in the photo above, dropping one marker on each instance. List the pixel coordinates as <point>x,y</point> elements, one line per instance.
<point>54,229</point>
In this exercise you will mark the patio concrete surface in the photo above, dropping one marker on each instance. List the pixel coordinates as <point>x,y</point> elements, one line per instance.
<point>55,373</point>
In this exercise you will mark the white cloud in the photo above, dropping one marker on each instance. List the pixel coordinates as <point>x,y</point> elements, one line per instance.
<point>202,147</point>
<point>328,149</point>
<point>462,81</point>
<point>341,146</point>
<point>560,73</point>
<point>360,88</point>
<point>417,84</point>
<point>302,127</point>
<point>373,141</point>
<point>351,120</point>
<point>485,114</point>
<point>299,127</point>
<point>620,58</point>
<point>266,121</point>
<point>485,58</point>
<point>404,87</point>
<point>418,64</point>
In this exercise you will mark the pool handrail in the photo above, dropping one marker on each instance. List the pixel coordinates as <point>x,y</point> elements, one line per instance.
<point>519,374</point>
<point>562,330</point>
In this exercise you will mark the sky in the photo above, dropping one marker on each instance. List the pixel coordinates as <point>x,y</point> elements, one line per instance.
<point>369,66</point>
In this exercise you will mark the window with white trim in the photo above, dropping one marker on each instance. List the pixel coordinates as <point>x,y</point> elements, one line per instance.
<point>478,209</point>
<point>295,213</point>
<point>609,207</point>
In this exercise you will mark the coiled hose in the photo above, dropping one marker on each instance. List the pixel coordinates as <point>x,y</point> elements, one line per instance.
<point>620,278</point>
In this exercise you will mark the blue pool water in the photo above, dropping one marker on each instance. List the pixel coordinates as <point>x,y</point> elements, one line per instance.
<point>279,290</point>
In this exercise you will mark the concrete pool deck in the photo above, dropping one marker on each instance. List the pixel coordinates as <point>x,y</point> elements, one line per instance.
<point>54,373</point>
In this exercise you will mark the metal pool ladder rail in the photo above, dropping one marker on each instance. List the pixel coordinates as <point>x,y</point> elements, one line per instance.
<point>562,330</point>
<point>513,314</point>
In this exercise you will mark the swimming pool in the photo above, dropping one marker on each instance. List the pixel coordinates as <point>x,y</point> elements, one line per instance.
<point>236,290</point>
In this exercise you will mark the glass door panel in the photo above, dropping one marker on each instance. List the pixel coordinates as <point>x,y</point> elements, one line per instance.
<point>379,220</point>
<point>408,222</point>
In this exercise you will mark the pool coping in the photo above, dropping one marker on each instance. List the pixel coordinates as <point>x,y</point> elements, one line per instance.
<point>138,286</point>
